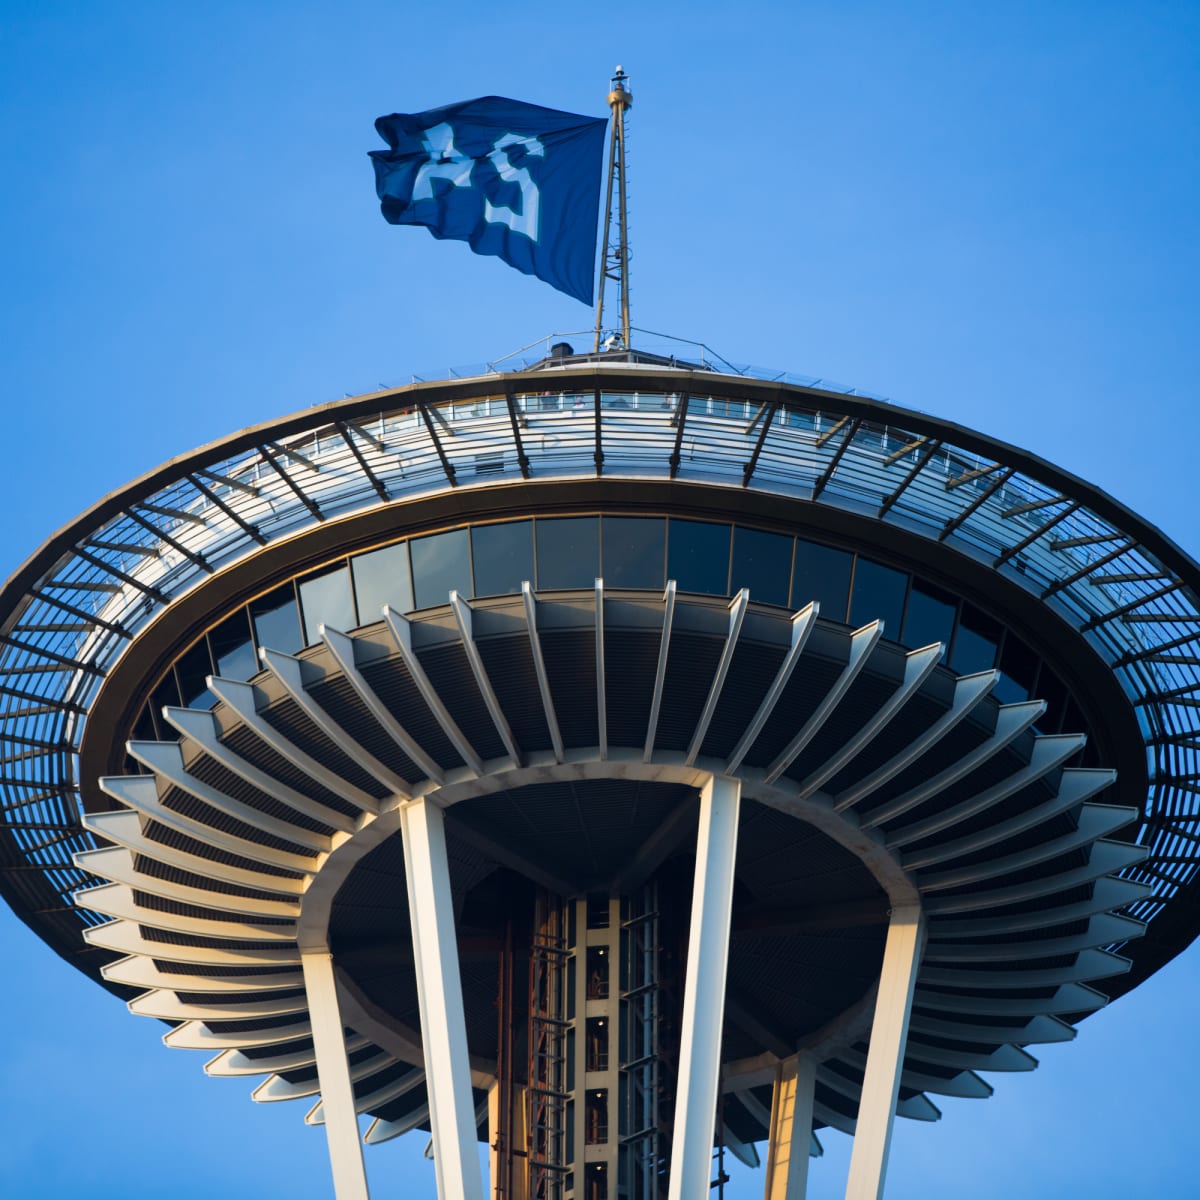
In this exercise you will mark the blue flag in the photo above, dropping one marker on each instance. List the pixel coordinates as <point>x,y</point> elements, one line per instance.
<point>512,179</point>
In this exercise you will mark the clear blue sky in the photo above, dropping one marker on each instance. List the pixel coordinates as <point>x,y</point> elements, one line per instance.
<point>984,211</point>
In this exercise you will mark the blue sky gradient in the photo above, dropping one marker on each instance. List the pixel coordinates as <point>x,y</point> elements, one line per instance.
<point>984,211</point>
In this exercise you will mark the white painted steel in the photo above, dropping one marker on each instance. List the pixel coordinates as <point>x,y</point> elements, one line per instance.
<point>539,665</point>
<point>462,617</point>
<point>341,1126</point>
<point>439,988</point>
<point>660,671</point>
<point>885,1057</point>
<point>400,627</point>
<point>790,1129</point>
<point>737,614</point>
<point>803,623</point>
<point>704,989</point>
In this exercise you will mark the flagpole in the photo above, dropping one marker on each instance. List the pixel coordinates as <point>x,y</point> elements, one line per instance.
<point>616,257</point>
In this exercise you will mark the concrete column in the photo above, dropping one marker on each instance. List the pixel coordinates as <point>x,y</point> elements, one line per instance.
<point>439,989</point>
<point>791,1128</point>
<point>333,1074</point>
<point>704,990</point>
<point>889,1032</point>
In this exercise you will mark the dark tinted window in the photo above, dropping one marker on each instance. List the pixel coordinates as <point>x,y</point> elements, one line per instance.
<point>930,615</point>
<point>326,600</point>
<point>698,556</point>
<point>440,564</point>
<point>568,552</point>
<point>634,551</point>
<point>762,562</point>
<point>502,556</point>
<point>1051,689</point>
<point>975,641</point>
<point>192,668</point>
<point>277,621</point>
<point>1018,671</point>
<point>878,594</point>
<point>822,573</point>
<point>382,577</point>
<point>232,650</point>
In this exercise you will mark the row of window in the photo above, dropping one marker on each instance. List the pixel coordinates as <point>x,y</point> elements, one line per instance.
<point>627,552</point>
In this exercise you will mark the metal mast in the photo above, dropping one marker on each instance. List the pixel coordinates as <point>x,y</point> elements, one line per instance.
<point>616,253</point>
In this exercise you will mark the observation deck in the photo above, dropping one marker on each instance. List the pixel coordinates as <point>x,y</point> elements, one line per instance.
<point>943,676</point>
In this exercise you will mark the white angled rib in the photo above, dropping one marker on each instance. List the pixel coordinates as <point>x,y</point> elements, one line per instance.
<point>1088,964</point>
<point>165,759</point>
<point>382,1095</point>
<point>1103,929</point>
<point>140,792</point>
<point>139,972</point>
<point>237,1063</point>
<point>167,1006</point>
<point>201,727</point>
<point>383,1131</point>
<point>539,666</point>
<point>116,864</point>
<point>601,698</point>
<point>660,672</point>
<point>117,900</point>
<point>1107,893</point>
<point>737,615</point>
<point>862,642</point>
<point>400,628</point>
<point>1011,721</point>
<point>276,1088</point>
<point>286,670</point>
<point>240,698</point>
<point>342,649</point>
<point>195,1035</point>
<point>803,623</point>
<point>125,937</point>
<point>918,666</point>
<point>1095,821</point>
<point>1069,998</point>
<point>463,618</point>
<point>969,690</point>
<point>1047,755</point>
<point>1041,1030</point>
<point>125,829</point>
<point>1076,786</point>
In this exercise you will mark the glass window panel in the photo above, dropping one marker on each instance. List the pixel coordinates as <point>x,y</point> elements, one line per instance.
<point>822,573</point>
<point>502,556</point>
<point>440,564</point>
<point>975,641</point>
<point>191,669</point>
<point>382,577</point>
<point>232,650</point>
<point>762,562</point>
<point>277,621</point>
<point>878,594</point>
<point>1019,663</point>
<point>1053,691</point>
<point>326,600</point>
<point>634,552</point>
<point>568,552</point>
<point>930,615</point>
<point>698,556</point>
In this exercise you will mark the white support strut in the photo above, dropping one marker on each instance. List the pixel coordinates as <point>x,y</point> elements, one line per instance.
<point>704,989</point>
<point>333,1073</point>
<point>885,1056</point>
<point>790,1132</point>
<point>439,990</point>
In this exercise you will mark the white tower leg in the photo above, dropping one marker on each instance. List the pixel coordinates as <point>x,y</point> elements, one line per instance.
<point>333,1074</point>
<point>791,1128</point>
<point>439,990</point>
<point>704,990</point>
<point>889,1032</point>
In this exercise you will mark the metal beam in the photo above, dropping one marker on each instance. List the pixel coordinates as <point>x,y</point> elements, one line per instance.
<point>885,1057</point>
<point>337,1089</point>
<point>439,990</point>
<point>704,990</point>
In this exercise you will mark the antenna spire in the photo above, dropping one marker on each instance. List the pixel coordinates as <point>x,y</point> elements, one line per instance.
<point>616,253</point>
